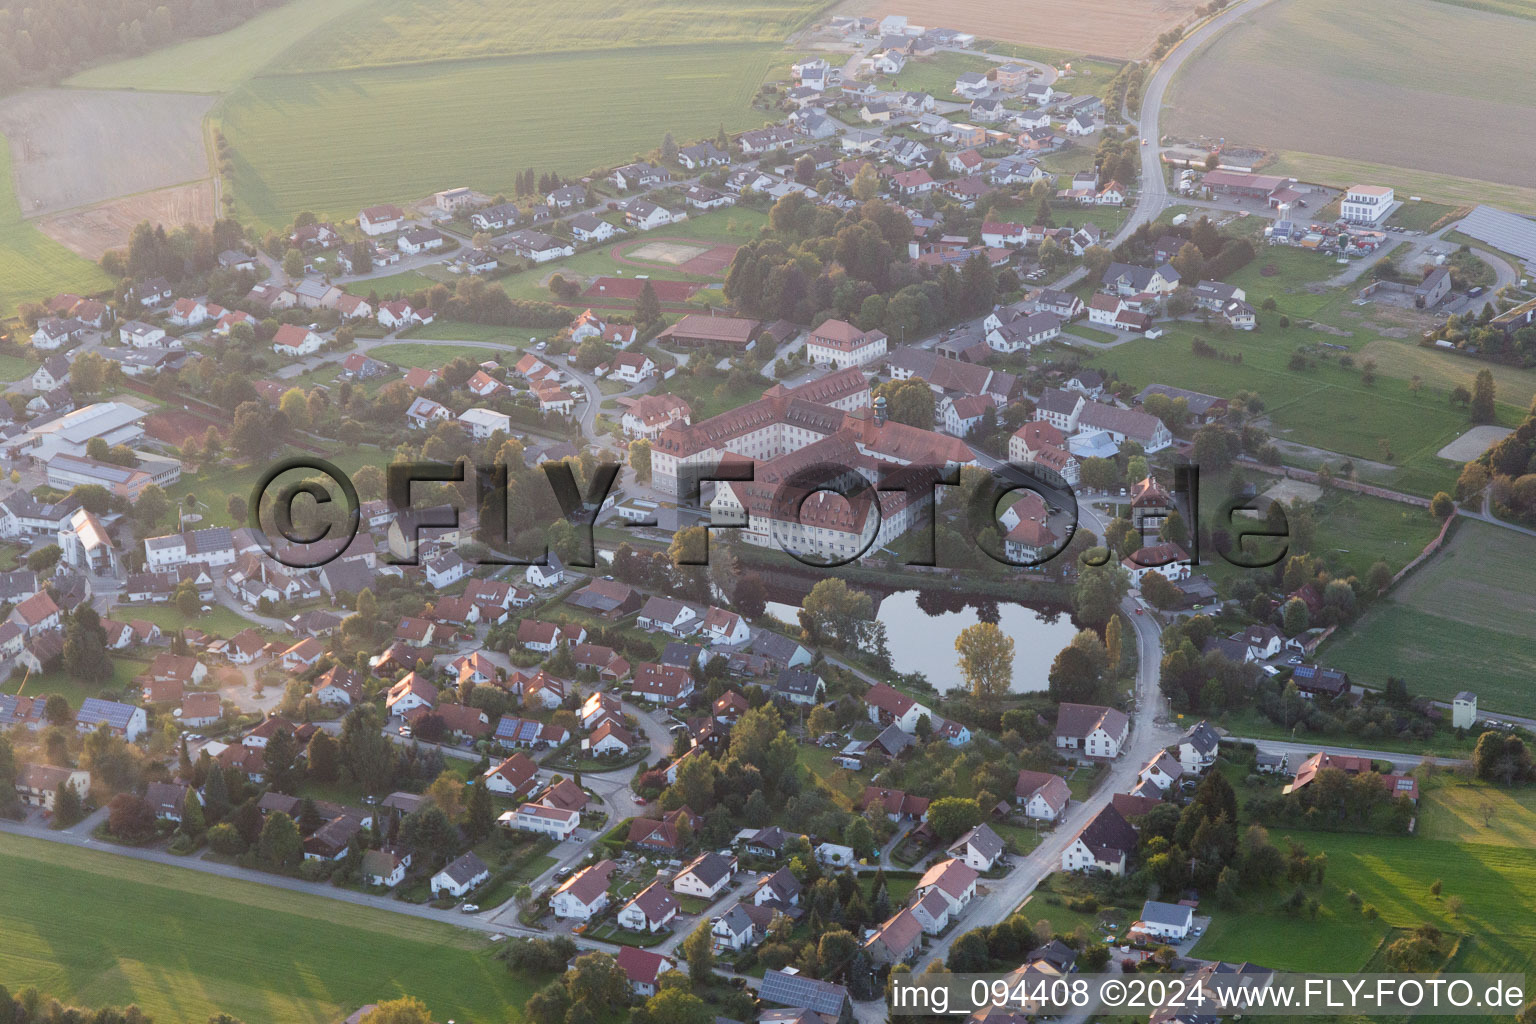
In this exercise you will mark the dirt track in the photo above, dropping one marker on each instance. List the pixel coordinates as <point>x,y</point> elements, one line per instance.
<point>1109,28</point>
<point>76,147</point>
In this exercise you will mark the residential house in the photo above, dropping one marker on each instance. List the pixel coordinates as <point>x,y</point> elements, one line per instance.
<point>979,849</point>
<point>460,876</point>
<point>1094,731</point>
<point>651,910</point>
<point>1043,796</point>
<point>1105,844</point>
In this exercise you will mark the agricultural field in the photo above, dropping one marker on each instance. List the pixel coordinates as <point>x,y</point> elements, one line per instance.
<point>395,32</point>
<point>216,64</point>
<point>92,230</point>
<point>141,142</point>
<point>1112,28</point>
<point>32,265</point>
<point>326,142</point>
<point>1279,83</point>
<point>225,945</point>
<point>1469,605</point>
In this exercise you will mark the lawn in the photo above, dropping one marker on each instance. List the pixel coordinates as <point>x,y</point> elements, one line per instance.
<point>220,622</point>
<point>15,368</point>
<point>394,284</point>
<point>1250,724</point>
<point>818,760</point>
<point>124,670</point>
<point>710,396</point>
<point>936,75</point>
<point>1461,810</point>
<point>414,31</point>
<point>1420,216</point>
<point>1496,881</point>
<point>453,330</point>
<point>98,929</point>
<point>1469,605</point>
<point>33,266</point>
<point>277,125</point>
<point>213,487</point>
<point>434,356</point>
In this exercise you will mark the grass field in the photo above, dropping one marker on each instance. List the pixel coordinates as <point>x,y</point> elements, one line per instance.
<point>393,32</point>
<point>1460,810</point>
<point>452,330</point>
<point>213,488</point>
<point>1496,881</point>
<point>434,356</point>
<point>1469,605</point>
<point>936,75</point>
<point>326,142</point>
<point>32,265</point>
<point>219,63</point>
<point>221,621</point>
<point>1341,172</point>
<point>1517,8</point>
<point>76,923</point>
<point>72,689</point>
<point>1273,83</point>
<point>1420,216</point>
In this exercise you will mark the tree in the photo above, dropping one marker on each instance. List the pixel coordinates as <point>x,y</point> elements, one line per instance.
<point>280,844</point>
<point>1098,592</point>
<point>647,306</point>
<point>405,1010</point>
<point>908,401</point>
<point>130,818</point>
<point>85,646</point>
<point>429,833</point>
<point>640,460</point>
<point>68,806</point>
<point>296,407</point>
<point>192,821</point>
<point>699,951</point>
<point>986,660</point>
<point>281,759</point>
<point>1481,409</point>
<point>151,506</point>
<point>1441,506</point>
<point>866,183</point>
<point>1188,262</point>
<point>674,1006</point>
<point>1113,644</point>
<point>57,710</point>
<point>293,264</point>
<point>480,814</point>
<point>834,611</point>
<point>859,836</point>
<point>950,817</point>
<point>1159,592</point>
<point>44,558</point>
<point>322,758</point>
<point>1097,259</point>
<point>1295,618</point>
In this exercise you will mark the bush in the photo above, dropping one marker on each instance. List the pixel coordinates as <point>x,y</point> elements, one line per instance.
<point>226,839</point>
<point>315,870</point>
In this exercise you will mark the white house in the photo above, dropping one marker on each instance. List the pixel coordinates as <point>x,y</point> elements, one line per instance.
<point>421,240</point>
<point>1198,748</point>
<point>1105,844</point>
<point>380,220</point>
<point>482,423</point>
<point>396,314</point>
<point>652,909</point>
<point>1365,204</point>
<point>1464,710</point>
<point>1162,771</point>
<point>1169,921</point>
<point>1044,796</point>
<point>1090,729</point>
<point>584,894</point>
<point>542,819</point>
<point>840,344</point>
<point>706,875</point>
<point>979,849</point>
<point>293,340</point>
<point>460,876</point>
<point>546,576</point>
<point>586,227</point>
<point>632,367</point>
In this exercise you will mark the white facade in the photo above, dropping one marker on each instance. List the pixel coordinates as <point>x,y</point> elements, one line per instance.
<point>1365,204</point>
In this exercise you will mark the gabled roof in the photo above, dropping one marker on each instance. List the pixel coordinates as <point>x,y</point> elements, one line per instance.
<point>1079,720</point>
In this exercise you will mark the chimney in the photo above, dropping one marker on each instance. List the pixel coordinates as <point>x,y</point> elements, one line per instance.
<point>879,410</point>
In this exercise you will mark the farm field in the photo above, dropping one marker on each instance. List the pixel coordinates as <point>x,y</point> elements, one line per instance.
<point>1112,28</point>
<point>140,141</point>
<point>394,32</point>
<point>221,62</point>
<point>1469,605</point>
<point>32,265</point>
<point>1277,83</point>
<point>325,142</point>
<point>223,945</point>
<point>93,230</point>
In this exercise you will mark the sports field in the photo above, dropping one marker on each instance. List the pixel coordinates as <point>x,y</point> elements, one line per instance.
<point>97,929</point>
<point>330,142</point>
<point>1299,77</point>
<point>1468,610</point>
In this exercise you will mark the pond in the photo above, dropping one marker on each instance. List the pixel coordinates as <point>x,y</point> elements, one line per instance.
<point>921,635</point>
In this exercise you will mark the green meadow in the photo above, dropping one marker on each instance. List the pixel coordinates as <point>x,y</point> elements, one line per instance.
<point>99,929</point>
<point>33,266</point>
